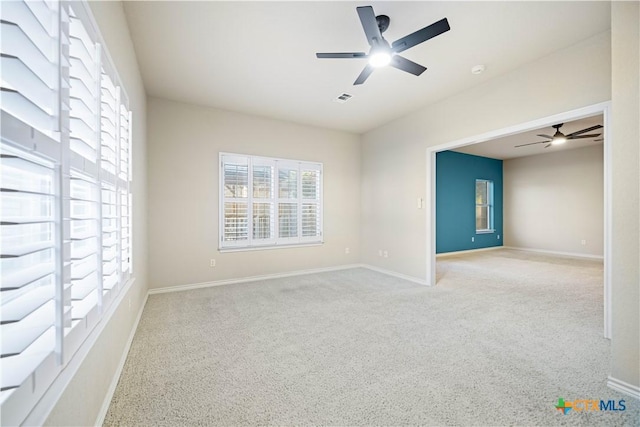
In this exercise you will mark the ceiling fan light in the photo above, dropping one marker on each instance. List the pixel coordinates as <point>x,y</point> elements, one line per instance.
<point>379,59</point>
<point>558,138</point>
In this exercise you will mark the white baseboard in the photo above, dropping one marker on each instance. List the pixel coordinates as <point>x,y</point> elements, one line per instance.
<point>179,288</point>
<point>116,376</point>
<point>469,251</point>
<point>568,254</point>
<point>224,282</point>
<point>623,387</point>
<point>394,274</point>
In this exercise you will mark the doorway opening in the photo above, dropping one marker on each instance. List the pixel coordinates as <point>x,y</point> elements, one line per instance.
<point>603,109</point>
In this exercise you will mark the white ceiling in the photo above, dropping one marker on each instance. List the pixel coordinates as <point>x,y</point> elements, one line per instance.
<point>259,57</point>
<point>504,148</point>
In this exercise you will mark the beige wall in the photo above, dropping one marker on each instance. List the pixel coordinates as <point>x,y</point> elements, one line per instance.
<point>84,396</point>
<point>625,348</point>
<point>185,141</point>
<point>552,201</point>
<point>394,155</point>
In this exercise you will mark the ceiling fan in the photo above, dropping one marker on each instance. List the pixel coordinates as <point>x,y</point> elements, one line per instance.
<point>560,138</point>
<point>381,53</point>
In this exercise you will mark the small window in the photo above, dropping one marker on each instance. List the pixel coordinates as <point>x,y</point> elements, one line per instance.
<point>484,206</point>
<point>267,202</point>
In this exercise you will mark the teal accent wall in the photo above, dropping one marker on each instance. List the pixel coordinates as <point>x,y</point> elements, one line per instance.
<point>456,175</point>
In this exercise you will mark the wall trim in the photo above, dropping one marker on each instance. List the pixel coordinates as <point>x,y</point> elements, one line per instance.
<point>116,376</point>
<point>567,254</point>
<point>468,251</point>
<point>623,387</point>
<point>225,282</point>
<point>187,287</point>
<point>395,274</point>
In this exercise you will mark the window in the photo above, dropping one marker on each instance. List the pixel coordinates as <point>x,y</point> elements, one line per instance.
<point>66,193</point>
<point>484,206</point>
<point>269,202</point>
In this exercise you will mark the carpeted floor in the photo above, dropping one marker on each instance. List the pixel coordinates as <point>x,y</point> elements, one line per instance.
<point>502,336</point>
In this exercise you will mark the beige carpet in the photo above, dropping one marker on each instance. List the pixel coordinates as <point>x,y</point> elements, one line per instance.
<point>501,337</point>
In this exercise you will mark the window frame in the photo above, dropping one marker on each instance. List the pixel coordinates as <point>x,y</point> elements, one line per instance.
<point>275,241</point>
<point>489,206</point>
<point>75,331</point>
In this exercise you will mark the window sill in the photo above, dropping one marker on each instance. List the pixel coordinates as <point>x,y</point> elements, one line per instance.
<point>263,248</point>
<point>485,231</point>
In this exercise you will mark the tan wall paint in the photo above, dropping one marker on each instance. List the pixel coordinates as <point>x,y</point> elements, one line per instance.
<point>185,142</point>
<point>554,200</point>
<point>625,348</point>
<point>394,155</point>
<point>83,398</point>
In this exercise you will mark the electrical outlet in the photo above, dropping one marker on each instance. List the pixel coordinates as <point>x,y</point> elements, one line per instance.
<point>498,237</point>
<point>347,250</point>
<point>583,242</point>
<point>473,239</point>
<point>212,263</point>
<point>385,254</point>
<point>379,252</point>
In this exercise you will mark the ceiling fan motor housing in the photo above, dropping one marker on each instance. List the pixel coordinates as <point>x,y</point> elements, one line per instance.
<point>383,22</point>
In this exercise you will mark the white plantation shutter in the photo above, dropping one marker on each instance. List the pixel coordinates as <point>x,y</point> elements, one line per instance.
<point>65,193</point>
<point>269,202</point>
<point>263,201</point>
<point>29,66</point>
<point>124,176</point>
<point>84,245</point>
<point>28,265</point>
<point>124,143</point>
<point>84,188</point>
<point>288,201</point>
<point>124,230</point>
<point>110,276</point>
<point>108,124</point>
<point>83,79</point>
<point>235,193</point>
<point>310,204</point>
<point>28,207</point>
<point>109,150</point>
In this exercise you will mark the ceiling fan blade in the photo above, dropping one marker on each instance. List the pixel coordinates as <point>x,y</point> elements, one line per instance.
<point>593,135</point>
<point>342,55</point>
<point>547,146</point>
<point>420,36</point>
<point>584,130</point>
<point>531,143</point>
<point>369,24</point>
<point>364,75</point>
<point>545,136</point>
<point>404,64</point>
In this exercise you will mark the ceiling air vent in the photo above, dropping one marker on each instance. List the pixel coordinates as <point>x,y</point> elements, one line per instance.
<point>342,98</point>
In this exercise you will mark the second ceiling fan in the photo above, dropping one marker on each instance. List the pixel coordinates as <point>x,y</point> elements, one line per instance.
<point>381,53</point>
<point>560,138</point>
